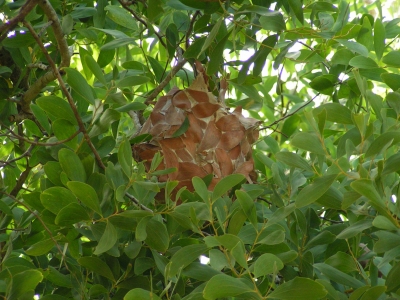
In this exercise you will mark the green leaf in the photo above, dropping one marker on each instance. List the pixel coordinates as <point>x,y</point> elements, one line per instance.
<point>379,39</point>
<point>307,141</point>
<point>315,190</point>
<point>382,222</point>
<point>392,80</point>
<point>363,62</point>
<point>121,17</point>
<point>71,214</point>
<point>274,21</point>
<point>117,43</point>
<point>157,236</point>
<point>96,265</point>
<point>392,164</point>
<point>194,49</point>
<point>216,56</point>
<point>299,288</point>
<point>125,157</point>
<point>130,81</point>
<point>40,248</point>
<point>248,206</point>
<point>293,160</point>
<point>79,84</point>
<point>338,276</point>
<point>355,229</point>
<point>57,107</point>
<point>343,262</point>
<point>355,47</point>
<point>323,238</point>
<point>184,256</point>
<point>107,240</point>
<point>24,282</point>
<point>392,279</point>
<point>56,198</point>
<point>392,59</point>
<point>106,119</point>
<point>260,56</point>
<point>141,294</point>
<point>86,194</point>
<point>182,129</point>
<point>225,184</point>
<point>41,116</point>
<point>266,264</point>
<point>222,286</point>
<point>211,37</point>
<point>393,100</point>
<point>95,68</point>
<point>200,188</point>
<point>297,7</point>
<point>63,130</point>
<point>72,165</point>
<point>382,142</point>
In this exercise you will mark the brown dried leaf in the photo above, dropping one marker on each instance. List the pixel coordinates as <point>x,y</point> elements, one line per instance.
<point>204,110</point>
<point>230,139</point>
<point>229,123</point>
<point>182,101</point>
<point>211,137</point>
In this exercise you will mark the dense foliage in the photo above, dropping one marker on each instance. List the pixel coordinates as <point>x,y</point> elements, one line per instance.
<point>78,215</point>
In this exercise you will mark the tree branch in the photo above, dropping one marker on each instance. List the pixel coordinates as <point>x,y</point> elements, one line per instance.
<point>291,114</point>
<point>11,24</point>
<point>166,80</point>
<point>67,95</point>
<point>39,84</point>
<point>136,16</point>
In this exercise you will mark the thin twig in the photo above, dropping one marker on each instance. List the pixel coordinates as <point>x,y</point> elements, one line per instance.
<point>26,153</point>
<point>11,24</point>
<point>137,203</point>
<point>19,137</point>
<point>141,20</point>
<point>42,82</point>
<point>67,95</point>
<point>166,80</point>
<point>291,114</point>
<point>189,31</point>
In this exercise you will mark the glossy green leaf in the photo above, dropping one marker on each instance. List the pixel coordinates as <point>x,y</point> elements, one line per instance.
<point>63,130</point>
<point>299,288</point>
<point>313,191</point>
<point>392,164</point>
<point>248,206</point>
<point>210,38</point>
<point>221,286</point>
<point>274,21</point>
<point>184,256</point>
<point>293,160</point>
<point>157,235</point>
<point>392,80</point>
<point>71,214</point>
<point>355,229</point>
<point>338,276</point>
<point>96,265</point>
<point>141,294</point>
<point>24,282</point>
<point>56,198</point>
<point>107,240</point>
<point>379,39</point>
<point>182,129</point>
<point>57,107</point>
<point>86,194</point>
<point>363,62</point>
<point>40,248</point>
<point>343,262</point>
<point>297,7</point>
<point>307,141</point>
<point>130,81</point>
<point>71,165</point>
<point>121,16</point>
<point>382,142</point>
<point>125,157</point>
<point>79,84</point>
<point>95,68</point>
<point>225,184</point>
<point>266,264</point>
<point>355,47</point>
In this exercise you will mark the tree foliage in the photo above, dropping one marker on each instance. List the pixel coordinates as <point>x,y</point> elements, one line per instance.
<point>78,215</point>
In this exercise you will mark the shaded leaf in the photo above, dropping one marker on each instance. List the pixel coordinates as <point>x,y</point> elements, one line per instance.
<point>315,190</point>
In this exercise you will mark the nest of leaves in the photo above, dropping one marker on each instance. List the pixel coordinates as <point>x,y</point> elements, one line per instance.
<point>197,135</point>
